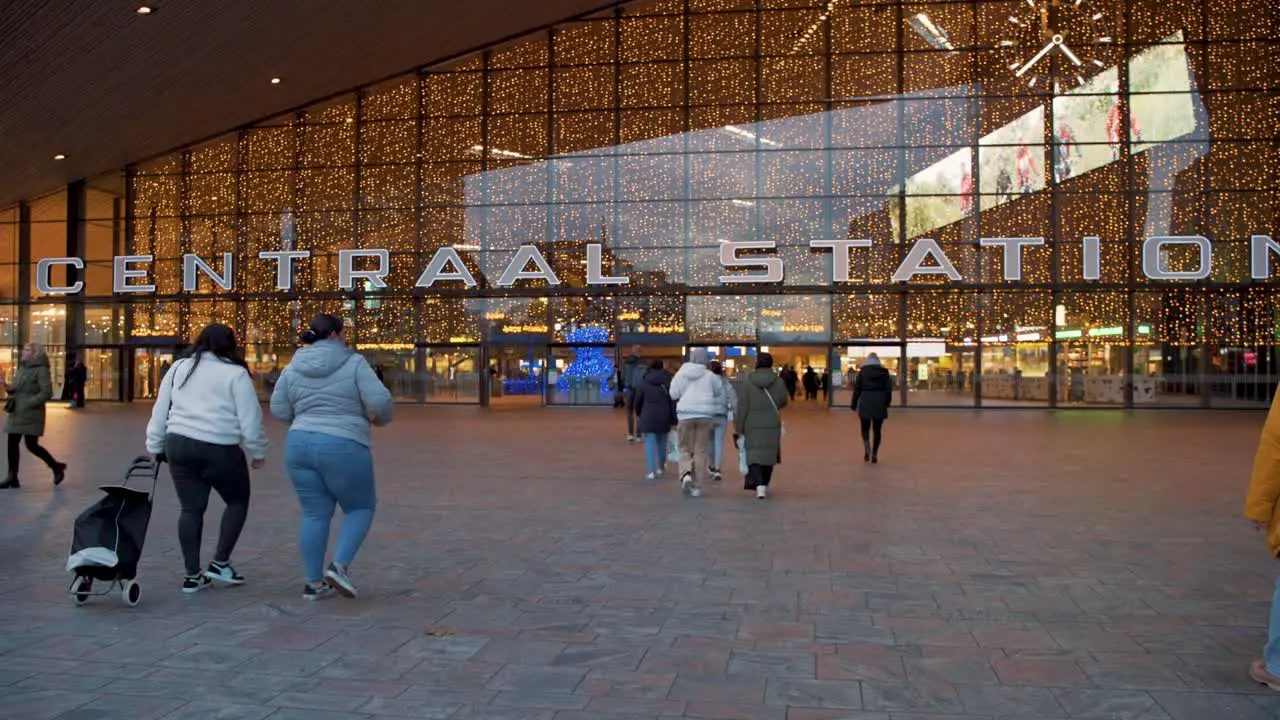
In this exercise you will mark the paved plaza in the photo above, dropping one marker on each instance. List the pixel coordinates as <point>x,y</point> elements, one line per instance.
<point>998,564</point>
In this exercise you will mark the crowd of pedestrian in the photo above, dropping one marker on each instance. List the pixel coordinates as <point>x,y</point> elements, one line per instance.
<point>700,408</point>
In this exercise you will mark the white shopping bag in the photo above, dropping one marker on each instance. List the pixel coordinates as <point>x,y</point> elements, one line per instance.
<point>742,455</point>
<point>673,448</point>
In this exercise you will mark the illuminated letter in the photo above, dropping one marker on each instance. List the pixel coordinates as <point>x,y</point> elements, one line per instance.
<point>122,273</point>
<point>1261,247</point>
<point>912,263</point>
<point>729,260</point>
<point>436,271</point>
<point>516,268</point>
<point>595,268</point>
<point>44,287</point>
<point>347,273</point>
<point>1012,253</point>
<point>1092,258</point>
<point>1154,269</point>
<point>284,265</point>
<point>840,255</point>
<point>191,263</point>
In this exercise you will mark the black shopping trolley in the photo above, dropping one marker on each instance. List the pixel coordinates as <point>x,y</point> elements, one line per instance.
<point>107,538</point>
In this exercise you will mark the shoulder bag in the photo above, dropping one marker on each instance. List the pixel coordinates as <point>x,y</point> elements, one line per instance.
<point>776,410</point>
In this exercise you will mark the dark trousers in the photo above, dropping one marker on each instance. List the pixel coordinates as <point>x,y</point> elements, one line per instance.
<point>198,467</point>
<point>872,426</point>
<point>758,475</point>
<point>33,446</point>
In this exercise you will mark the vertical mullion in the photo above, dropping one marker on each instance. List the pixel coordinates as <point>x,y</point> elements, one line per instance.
<point>901,290</point>
<point>356,293</point>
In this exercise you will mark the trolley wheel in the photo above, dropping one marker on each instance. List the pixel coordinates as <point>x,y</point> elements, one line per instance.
<point>80,589</point>
<point>131,591</point>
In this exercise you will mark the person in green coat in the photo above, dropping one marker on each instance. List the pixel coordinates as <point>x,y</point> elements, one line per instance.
<point>758,419</point>
<point>27,394</point>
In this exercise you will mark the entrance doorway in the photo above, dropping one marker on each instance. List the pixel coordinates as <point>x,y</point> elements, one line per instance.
<point>149,366</point>
<point>105,375</point>
<point>847,359</point>
<point>517,374</point>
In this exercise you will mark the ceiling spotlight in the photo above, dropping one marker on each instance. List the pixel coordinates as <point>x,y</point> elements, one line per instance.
<point>59,156</point>
<point>145,9</point>
<point>275,81</point>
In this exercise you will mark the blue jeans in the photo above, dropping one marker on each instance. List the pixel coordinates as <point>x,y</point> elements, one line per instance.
<point>1271,653</point>
<point>655,451</point>
<point>326,471</point>
<point>717,442</point>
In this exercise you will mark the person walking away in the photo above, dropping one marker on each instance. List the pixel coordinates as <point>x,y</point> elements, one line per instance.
<point>206,407</point>
<point>655,416</point>
<point>758,418</point>
<point>699,396</point>
<point>1262,506</point>
<point>27,395</point>
<point>872,394</point>
<point>633,372</point>
<point>789,380</point>
<point>722,421</point>
<point>73,383</point>
<point>329,396</point>
<point>810,384</point>
<point>825,382</point>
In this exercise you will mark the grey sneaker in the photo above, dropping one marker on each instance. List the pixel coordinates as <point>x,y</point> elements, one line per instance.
<point>316,592</point>
<point>339,581</point>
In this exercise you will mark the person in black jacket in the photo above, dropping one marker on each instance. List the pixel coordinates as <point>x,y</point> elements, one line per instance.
<point>872,395</point>
<point>655,416</point>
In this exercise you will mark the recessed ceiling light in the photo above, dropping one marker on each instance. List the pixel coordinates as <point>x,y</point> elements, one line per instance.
<point>145,9</point>
<point>275,81</point>
<point>59,156</point>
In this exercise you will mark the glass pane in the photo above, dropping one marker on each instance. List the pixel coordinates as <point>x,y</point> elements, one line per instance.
<point>448,375</point>
<point>582,376</point>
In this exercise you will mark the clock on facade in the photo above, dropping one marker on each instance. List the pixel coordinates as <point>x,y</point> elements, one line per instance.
<point>1058,42</point>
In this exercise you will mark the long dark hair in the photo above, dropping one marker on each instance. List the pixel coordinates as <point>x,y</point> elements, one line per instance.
<point>323,327</point>
<point>218,339</point>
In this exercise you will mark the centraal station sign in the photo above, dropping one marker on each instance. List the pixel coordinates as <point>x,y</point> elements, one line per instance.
<point>131,273</point>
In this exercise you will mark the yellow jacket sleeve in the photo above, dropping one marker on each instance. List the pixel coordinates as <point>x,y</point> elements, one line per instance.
<point>1264,483</point>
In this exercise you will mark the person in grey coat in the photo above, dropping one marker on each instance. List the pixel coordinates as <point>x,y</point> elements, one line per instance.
<point>872,395</point>
<point>758,419</point>
<point>329,395</point>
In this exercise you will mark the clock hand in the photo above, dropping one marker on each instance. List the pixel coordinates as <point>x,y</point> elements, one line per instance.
<point>1022,71</point>
<point>1070,55</point>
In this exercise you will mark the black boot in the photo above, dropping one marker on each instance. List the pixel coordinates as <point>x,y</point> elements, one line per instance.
<point>59,473</point>
<point>866,450</point>
<point>10,482</point>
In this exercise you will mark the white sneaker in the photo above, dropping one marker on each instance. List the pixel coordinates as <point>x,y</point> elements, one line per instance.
<point>695,492</point>
<point>762,492</point>
<point>686,484</point>
<point>651,476</point>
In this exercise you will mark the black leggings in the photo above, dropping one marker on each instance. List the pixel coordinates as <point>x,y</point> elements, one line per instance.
<point>758,475</point>
<point>33,446</point>
<point>870,425</point>
<point>198,468</point>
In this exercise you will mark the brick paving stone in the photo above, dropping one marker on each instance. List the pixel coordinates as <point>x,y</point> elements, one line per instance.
<point>994,565</point>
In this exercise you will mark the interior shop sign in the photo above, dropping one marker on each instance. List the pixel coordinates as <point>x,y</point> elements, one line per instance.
<point>131,273</point>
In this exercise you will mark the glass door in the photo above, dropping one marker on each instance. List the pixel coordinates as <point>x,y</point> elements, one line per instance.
<point>517,374</point>
<point>150,364</point>
<point>104,374</point>
<point>448,374</point>
<point>582,374</point>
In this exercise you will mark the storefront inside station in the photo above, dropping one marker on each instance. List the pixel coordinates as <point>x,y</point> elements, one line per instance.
<point>664,130</point>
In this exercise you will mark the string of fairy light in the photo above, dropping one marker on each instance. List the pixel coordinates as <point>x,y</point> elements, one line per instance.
<point>459,156</point>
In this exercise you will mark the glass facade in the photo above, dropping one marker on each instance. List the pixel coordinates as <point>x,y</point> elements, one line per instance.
<point>664,131</point>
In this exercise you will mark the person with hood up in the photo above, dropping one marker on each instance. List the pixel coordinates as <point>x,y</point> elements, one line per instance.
<point>30,390</point>
<point>872,395</point>
<point>1262,506</point>
<point>810,382</point>
<point>758,419</point>
<point>699,396</point>
<point>655,416</point>
<point>329,395</point>
<point>722,422</point>
<point>632,375</point>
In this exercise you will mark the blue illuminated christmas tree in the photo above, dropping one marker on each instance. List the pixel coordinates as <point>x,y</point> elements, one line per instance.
<point>590,362</point>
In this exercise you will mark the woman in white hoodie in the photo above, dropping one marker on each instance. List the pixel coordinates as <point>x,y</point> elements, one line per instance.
<point>205,408</point>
